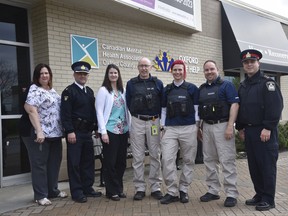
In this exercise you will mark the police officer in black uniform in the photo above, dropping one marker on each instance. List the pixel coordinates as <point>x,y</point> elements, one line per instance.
<point>261,104</point>
<point>78,117</point>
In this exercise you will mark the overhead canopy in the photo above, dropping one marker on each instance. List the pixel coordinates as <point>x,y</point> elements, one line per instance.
<point>242,30</point>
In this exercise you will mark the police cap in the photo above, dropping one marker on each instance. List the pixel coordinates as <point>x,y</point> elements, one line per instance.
<point>250,54</point>
<point>81,66</point>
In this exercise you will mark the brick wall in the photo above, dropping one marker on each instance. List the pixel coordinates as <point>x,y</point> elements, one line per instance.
<point>63,20</point>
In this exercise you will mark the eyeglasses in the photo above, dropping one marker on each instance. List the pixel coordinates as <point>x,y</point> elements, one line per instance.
<point>144,66</point>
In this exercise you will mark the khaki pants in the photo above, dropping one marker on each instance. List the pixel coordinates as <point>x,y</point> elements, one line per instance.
<point>140,133</point>
<point>219,151</point>
<point>174,137</point>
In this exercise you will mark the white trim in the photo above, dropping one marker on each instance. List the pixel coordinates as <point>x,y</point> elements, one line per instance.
<point>14,43</point>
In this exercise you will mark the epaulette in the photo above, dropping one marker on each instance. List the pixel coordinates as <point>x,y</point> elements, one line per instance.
<point>266,76</point>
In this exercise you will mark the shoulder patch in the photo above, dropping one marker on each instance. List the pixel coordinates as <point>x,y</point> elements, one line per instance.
<point>270,86</point>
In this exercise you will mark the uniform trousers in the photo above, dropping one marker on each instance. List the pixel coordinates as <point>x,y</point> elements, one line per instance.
<point>45,160</point>
<point>81,165</point>
<point>219,151</point>
<point>184,137</point>
<point>115,154</point>
<point>262,162</point>
<point>140,134</point>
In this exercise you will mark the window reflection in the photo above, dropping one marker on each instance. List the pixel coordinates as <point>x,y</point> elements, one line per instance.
<point>8,79</point>
<point>13,24</point>
<point>7,31</point>
<point>15,156</point>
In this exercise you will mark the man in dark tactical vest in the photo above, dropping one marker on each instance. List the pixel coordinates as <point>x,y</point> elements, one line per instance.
<point>143,97</point>
<point>218,108</point>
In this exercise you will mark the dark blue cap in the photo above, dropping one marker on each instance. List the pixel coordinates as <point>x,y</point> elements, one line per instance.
<point>250,54</point>
<point>81,66</point>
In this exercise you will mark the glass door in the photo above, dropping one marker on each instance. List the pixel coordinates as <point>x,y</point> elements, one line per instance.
<point>14,78</point>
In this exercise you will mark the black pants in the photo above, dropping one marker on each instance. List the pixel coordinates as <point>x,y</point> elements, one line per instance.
<point>115,154</point>
<point>262,162</point>
<point>80,159</point>
<point>45,160</point>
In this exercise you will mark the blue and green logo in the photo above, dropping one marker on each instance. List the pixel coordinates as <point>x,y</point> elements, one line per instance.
<point>85,49</point>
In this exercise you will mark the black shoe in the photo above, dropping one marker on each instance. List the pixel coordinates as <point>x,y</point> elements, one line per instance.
<point>93,194</point>
<point>264,206</point>
<point>139,195</point>
<point>115,197</point>
<point>81,199</point>
<point>184,198</point>
<point>157,195</point>
<point>254,201</point>
<point>167,199</point>
<point>122,195</point>
<point>208,197</point>
<point>230,202</point>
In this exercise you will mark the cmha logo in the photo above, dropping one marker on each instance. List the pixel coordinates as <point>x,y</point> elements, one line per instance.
<point>163,61</point>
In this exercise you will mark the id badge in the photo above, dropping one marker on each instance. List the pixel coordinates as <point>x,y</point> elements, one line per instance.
<point>154,130</point>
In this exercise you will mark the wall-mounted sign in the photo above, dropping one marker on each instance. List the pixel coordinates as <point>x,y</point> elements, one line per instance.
<point>163,61</point>
<point>122,56</point>
<point>84,49</point>
<point>191,63</point>
<point>185,12</point>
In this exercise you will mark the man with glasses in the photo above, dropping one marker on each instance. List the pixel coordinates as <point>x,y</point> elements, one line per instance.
<point>143,97</point>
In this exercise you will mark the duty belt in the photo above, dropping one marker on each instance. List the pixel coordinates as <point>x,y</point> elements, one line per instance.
<point>146,117</point>
<point>83,125</point>
<point>211,122</point>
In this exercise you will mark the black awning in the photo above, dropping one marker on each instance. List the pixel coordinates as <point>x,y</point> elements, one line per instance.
<point>242,30</point>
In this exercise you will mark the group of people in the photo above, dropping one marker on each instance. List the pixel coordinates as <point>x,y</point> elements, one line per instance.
<point>162,119</point>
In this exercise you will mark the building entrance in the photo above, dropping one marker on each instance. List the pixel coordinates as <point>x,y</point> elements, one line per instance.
<point>14,78</point>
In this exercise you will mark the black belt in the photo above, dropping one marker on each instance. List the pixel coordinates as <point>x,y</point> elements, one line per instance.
<point>146,117</point>
<point>83,125</point>
<point>211,122</point>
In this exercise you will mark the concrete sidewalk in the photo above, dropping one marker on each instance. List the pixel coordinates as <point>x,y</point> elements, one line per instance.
<point>18,200</point>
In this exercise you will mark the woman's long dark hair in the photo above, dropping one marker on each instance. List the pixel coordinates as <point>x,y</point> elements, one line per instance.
<point>36,74</point>
<point>106,82</point>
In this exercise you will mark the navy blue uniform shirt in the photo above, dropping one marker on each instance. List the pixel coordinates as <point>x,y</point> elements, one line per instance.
<point>75,103</point>
<point>261,102</point>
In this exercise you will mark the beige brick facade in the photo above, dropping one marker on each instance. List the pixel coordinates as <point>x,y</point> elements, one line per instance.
<point>53,31</point>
